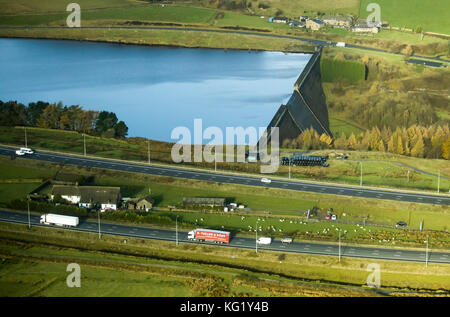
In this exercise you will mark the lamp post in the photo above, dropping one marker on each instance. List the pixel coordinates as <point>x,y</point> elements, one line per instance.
<point>99,234</point>
<point>26,141</point>
<point>148,150</point>
<point>84,142</point>
<point>360,181</point>
<point>439,180</point>
<point>339,245</point>
<point>289,169</point>
<point>176,229</point>
<point>256,237</point>
<point>29,220</point>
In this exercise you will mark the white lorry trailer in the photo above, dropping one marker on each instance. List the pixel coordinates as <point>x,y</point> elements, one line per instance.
<point>59,220</point>
<point>264,241</point>
<point>340,44</point>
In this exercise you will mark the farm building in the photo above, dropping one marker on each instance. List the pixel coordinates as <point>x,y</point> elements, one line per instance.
<point>314,24</point>
<point>201,201</point>
<point>107,198</point>
<point>337,21</point>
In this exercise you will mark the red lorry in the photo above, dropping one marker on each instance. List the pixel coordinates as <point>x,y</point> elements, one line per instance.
<point>207,235</point>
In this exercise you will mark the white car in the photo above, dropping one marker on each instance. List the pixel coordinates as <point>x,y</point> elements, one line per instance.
<point>286,240</point>
<point>266,180</point>
<point>20,152</point>
<point>26,150</point>
<point>333,217</point>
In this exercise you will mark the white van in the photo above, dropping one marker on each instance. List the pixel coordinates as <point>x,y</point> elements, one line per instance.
<point>26,150</point>
<point>264,240</point>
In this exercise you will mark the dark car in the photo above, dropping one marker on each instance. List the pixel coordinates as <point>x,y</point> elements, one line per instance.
<point>400,224</point>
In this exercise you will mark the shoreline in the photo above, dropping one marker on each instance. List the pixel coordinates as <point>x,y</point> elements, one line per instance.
<point>125,42</point>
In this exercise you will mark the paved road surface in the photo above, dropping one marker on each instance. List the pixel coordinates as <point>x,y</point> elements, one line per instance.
<point>235,179</point>
<point>248,243</point>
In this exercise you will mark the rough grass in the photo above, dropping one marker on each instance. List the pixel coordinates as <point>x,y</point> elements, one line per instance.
<point>233,271</point>
<point>431,16</point>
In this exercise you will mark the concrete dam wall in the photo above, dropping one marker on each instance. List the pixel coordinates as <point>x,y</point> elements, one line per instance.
<point>306,107</point>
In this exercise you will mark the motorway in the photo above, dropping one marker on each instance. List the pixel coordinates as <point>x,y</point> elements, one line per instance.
<point>342,190</point>
<point>243,242</point>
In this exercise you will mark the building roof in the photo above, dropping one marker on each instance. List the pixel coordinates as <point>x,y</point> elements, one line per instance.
<point>336,18</point>
<point>89,194</point>
<point>317,21</point>
<point>65,190</point>
<point>203,201</point>
<point>145,199</point>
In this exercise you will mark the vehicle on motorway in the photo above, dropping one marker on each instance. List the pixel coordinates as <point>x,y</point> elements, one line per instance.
<point>26,150</point>
<point>340,44</point>
<point>266,180</point>
<point>333,217</point>
<point>207,235</point>
<point>286,240</point>
<point>264,240</point>
<point>328,217</point>
<point>59,220</point>
<point>20,152</point>
<point>400,224</point>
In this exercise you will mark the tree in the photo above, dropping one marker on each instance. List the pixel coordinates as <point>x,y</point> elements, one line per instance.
<point>419,148</point>
<point>446,149</point>
<point>121,129</point>
<point>105,121</point>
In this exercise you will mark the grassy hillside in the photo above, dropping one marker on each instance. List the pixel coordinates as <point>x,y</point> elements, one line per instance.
<point>432,16</point>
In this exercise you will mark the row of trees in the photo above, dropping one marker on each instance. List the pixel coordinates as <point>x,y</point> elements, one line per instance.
<point>56,116</point>
<point>418,141</point>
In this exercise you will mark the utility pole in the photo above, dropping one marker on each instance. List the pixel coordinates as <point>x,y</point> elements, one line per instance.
<point>99,235</point>
<point>256,237</point>
<point>29,220</point>
<point>408,176</point>
<point>339,245</point>
<point>84,142</point>
<point>26,141</point>
<point>439,179</point>
<point>176,229</point>
<point>148,150</point>
<point>215,161</point>
<point>360,181</point>
<point>289,169</point>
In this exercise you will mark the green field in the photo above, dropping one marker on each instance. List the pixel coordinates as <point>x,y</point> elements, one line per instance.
<point>30,6</point>
<point>432,16</point>
<point>153,268</point>
<point>268,204</point>
<point>336,70</point>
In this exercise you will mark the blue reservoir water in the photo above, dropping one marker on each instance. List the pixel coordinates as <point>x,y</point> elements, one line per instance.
<point>152,89</point>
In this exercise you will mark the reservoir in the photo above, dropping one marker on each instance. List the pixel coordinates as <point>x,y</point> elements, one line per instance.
<point>152,89</point>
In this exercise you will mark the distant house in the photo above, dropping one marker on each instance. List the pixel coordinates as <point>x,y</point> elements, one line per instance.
<point>337,21</point>
<point>314,24</point>
<point>201,201</point>
<point>107,198</point>
<point>297,24</point>
<point>363,27</point>
<point>278,20</point>
<point>145,204</point>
